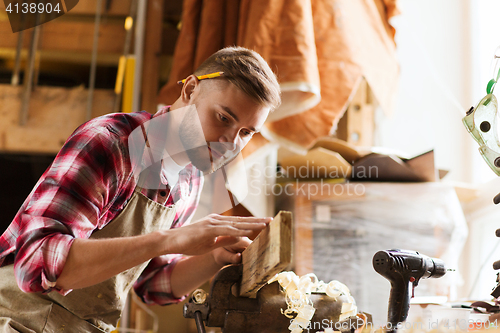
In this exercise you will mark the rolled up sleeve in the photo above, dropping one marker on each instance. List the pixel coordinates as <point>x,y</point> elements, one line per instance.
<point>37,270</point>
<point>153,286</point>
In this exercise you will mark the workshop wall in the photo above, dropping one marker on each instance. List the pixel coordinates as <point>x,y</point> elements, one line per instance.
<point>445,66</point>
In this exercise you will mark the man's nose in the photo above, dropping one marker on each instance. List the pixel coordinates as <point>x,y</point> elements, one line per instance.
<point>229,141</point>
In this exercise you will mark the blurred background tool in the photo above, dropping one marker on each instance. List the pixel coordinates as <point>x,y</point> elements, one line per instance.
<point>404,269</point>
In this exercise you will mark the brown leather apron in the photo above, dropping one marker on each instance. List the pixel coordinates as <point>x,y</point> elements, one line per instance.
<point>93,309</point>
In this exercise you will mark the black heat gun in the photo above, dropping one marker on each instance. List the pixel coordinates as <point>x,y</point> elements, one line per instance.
<point>404,269</point>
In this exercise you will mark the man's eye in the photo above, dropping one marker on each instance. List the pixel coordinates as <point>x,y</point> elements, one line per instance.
<point>223,118</point>
<point>247,133</point>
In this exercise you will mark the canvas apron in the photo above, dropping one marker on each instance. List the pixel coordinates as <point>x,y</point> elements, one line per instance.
<point>93,309</point>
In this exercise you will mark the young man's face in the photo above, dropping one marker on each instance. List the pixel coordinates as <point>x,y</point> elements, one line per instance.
<point>228,117</point>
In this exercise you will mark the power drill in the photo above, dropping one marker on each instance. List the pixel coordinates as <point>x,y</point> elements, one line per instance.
<point>404,269</point>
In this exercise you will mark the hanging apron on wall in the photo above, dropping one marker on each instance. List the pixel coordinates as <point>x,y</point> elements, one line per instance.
<point>93,309</point>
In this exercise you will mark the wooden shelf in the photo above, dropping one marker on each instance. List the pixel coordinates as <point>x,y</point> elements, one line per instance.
<point>54,114</point>
<point>68,40</point>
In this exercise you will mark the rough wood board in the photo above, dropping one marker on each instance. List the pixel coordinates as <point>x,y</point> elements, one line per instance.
<point>269,254</point>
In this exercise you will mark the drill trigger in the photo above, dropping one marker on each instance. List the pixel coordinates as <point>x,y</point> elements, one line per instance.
<point>413,285</point>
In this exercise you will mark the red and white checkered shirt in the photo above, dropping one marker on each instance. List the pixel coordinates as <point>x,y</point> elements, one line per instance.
<point>86,186</point>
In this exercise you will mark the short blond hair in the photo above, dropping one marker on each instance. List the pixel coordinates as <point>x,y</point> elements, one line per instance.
<point>248,71</point>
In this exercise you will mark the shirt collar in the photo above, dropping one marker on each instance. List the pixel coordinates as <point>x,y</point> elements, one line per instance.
<point>170,171</point>
<point>173,174</point>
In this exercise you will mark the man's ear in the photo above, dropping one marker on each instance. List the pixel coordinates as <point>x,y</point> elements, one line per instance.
<point>189,88</point>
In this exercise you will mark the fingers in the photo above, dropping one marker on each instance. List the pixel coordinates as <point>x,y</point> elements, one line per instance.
<point>226,258</point>
<point>245,225</point>
<point>223,241</point>
<point>244,222</point>
<point>228,231</point>
<point>239,246</point>
<point>254,234</point>
<point>232,227</point>
<point>234,258</point>
<point>243,243</point>
<point>238,222</point>
<point>240,219</point>
<point>237,226</point>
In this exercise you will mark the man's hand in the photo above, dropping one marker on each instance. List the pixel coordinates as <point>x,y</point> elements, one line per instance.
<point>212,232</point>
<point>104,258</point>
<point>230,254</point>
<point>213,242</point>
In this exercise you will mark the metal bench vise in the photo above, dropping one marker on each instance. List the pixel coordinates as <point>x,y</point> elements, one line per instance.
<point>234,314</point>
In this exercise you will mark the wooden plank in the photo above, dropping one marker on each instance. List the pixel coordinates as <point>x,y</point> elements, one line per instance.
<point>357,125</point>
<point>361,115</point>
<point>152,50</point>
<point>111,38</point>
<point>71,36</point>
<point>104,59</point>
<point>269,254</point>
<point>88,7</point>
<point>303,236</point>
<point>53,115</point>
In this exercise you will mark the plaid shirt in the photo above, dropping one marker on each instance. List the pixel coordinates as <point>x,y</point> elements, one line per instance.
<point>87,185</point>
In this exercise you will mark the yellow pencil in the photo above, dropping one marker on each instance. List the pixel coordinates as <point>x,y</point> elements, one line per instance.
<point>206,76</point>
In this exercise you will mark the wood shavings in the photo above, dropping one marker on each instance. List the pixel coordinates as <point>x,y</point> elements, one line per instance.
<point>329,330</point>
<point>298,291</point>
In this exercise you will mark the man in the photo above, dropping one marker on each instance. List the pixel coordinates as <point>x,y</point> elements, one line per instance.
<point>106,216</point>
